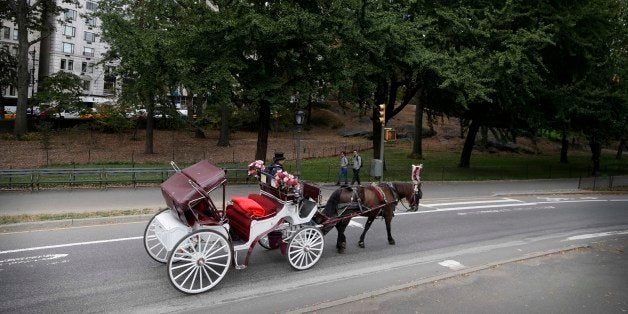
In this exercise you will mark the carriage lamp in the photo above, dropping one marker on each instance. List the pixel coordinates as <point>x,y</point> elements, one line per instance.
<point>300,118</point>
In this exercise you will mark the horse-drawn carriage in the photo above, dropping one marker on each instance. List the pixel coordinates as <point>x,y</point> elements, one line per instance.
<point>199,242</point>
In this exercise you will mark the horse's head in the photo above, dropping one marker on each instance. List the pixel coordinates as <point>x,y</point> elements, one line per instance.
<point>407,191</point>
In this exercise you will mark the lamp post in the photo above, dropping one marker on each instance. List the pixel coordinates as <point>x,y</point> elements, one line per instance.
<point>300,118</point>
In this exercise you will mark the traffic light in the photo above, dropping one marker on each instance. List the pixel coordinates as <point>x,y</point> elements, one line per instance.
<point>382,113</point>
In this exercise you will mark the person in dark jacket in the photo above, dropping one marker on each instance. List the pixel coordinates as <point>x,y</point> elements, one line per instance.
<point>277,164</point>
<point>356,162</point>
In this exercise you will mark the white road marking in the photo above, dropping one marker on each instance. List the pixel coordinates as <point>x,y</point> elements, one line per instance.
<point>451,264</point>
<point>356,224</point>
<point>596,235</point>
<point>506,200</point>
<point>470,207</point>
<point>505,210</point>
<point>69,244</point>
<point>31,259</point>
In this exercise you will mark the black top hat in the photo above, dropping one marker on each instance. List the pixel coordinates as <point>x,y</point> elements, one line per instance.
<point>278,156</point>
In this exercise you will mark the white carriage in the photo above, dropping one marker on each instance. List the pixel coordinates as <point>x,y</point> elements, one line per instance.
<point>200,242</point>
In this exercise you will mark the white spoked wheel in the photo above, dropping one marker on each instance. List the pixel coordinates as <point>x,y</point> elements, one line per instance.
<point>199,261</point>
<point>153,246</point>
<point>305,248</point>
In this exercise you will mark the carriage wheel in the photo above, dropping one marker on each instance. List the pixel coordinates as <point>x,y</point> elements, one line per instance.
<point>153,246</point>
<point>305,248</point>
<point>199,261</point>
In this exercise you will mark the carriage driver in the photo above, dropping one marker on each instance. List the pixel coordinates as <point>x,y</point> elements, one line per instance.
<point>277,164</point>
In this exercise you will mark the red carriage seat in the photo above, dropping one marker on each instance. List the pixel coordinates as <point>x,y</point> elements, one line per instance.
<point>244,210</point>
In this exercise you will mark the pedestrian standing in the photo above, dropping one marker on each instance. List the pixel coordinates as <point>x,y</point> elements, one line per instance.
<point>344,163</point>
<point>356,162</point>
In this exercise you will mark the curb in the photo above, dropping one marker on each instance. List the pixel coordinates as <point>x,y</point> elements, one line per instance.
<point>69,223</point>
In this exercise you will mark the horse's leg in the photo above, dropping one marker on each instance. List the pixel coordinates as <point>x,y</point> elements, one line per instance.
<point>341,243</point>
<point>388,219</point>
<point>369,221</point>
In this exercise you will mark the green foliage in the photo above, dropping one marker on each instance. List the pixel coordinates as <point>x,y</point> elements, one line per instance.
<point>8,64</point>
<point>112,119</point>
<point>61,90</point>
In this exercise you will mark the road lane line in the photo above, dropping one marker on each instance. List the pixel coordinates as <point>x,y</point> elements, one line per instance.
<point>507,200</point>
<point>596,235</point>
<point>69,244</point>
<point>467,207</point>
<point>356,224</point>
<point>31,259</point>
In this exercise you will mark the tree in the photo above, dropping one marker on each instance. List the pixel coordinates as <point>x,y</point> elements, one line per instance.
<point>62,90</point>
<point>584,90</point>
<point>30,17</point>
<point>137,32</point>
<point>8,74</point>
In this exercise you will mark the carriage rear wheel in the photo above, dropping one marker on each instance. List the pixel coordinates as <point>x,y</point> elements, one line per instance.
<point>199,261</point>
<point>153,246</point>
<point>305,248</point>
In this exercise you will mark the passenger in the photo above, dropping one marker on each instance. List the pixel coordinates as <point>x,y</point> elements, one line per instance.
<point>277,164</point>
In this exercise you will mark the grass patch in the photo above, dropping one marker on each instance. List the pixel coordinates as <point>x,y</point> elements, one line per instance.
<point>443,166</point>
<point>61,216</point>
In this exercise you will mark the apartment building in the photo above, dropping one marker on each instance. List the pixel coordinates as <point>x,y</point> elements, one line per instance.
<point>8,40</point>
<point>75,46</point>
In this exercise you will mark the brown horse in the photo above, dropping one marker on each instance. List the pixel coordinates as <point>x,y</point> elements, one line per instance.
<point>370,202</point>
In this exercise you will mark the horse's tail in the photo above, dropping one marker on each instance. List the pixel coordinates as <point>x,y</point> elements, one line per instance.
<point>332,203</point>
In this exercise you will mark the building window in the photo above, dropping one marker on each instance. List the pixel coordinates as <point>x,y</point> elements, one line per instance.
<point>91,5</point>
<point>69,31</point>
<point>6,32</point>
<point>91,22</point>
<point>15,51</point>
<point>68,48</point>
<point>90,37</point>
<point>11,90</point>
<point>91,68</point>
<point>88,52</point>
<point>86,85</point>
<point>15,34</point>
<point>69,15</point>
<point>83,67</point>
<point>70,65</point>
<point>63,61</point>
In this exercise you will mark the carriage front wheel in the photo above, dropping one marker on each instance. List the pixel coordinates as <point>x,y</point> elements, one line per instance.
<point>305,248</point>
<point>199,261</point>
<point>153,246</point>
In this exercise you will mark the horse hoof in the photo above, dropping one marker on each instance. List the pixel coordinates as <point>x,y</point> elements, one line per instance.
<point>391,241</point>
<point>361,244</point>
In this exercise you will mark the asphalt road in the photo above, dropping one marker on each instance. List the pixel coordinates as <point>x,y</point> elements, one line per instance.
<point>454,254</point>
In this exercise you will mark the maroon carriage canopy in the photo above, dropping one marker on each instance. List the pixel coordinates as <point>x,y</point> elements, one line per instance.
<point>177,190</point>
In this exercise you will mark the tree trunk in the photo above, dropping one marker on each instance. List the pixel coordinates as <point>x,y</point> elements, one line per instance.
<point>262,132</point>
<point>150,121</point>
<point>417,144</point>
<point>223,141</point>
<point>596,152</point>
<point>22,69</point>
<point>198,111</point>
<point>620,149</point>
<point>564,148</point>
<point>465,157</point>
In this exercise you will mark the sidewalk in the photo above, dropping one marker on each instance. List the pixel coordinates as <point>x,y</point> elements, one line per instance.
<point>91,200</point>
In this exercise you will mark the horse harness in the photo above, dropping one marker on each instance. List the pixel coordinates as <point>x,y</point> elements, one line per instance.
<point>356,199</point>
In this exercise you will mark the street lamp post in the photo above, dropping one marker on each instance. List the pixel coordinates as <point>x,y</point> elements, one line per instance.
<point>300,118</point>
